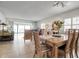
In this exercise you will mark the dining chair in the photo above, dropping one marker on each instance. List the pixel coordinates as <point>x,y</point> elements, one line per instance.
<point>77,48</point>
<point>41,31</point>
<point>67,47</point>
<point>41,51</point>
<point>27,35</point>
<point>74,45</point>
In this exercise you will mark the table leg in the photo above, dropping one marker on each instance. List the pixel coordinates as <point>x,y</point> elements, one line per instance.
<point>55,51</point>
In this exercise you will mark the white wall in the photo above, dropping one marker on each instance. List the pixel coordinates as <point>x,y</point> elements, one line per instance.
<point>2,17</point>
<point>62,16</point>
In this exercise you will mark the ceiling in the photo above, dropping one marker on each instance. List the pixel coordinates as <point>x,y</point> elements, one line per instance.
<point>34,10</point>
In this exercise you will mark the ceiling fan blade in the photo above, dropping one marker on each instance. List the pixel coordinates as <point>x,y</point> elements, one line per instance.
<point>59,3</point>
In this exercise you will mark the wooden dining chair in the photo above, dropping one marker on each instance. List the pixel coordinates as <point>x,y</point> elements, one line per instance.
<point>77,48</point>
<point>74,45</point>
<point>41,51</point>
<point>41,31</point>
<point>27,35</point>
<point>67,48</point>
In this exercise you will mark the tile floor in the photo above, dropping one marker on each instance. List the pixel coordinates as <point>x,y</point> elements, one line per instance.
<point>17,48</point>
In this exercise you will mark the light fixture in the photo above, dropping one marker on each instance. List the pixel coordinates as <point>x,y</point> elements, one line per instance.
<point>59,3</point>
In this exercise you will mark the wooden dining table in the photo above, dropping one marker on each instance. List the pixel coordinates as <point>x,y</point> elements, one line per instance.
<point>54,42</point>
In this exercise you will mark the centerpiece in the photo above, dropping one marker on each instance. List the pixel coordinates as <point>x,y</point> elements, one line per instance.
<point>56,26</point>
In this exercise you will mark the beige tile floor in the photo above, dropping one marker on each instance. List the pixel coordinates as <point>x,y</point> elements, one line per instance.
<point>17,48</point>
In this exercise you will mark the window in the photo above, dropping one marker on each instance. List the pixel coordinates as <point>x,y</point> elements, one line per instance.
<point>77,26</point>
<point>67,21</point>
<point>43,26</point>
<point>74,27</point>
<point>75,22</point>
<point>20,28</point>
<point>67,27</point>
<point>67,24</point>
<point>71,23</point>
<point>15,28</point>
<point>28,27</point>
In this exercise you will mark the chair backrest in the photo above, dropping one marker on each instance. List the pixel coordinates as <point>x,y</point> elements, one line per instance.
<point>76,36</point>
<point>27,34</point>
<point>37,42</point>
<point>70,38</point>
<point>41,32</point>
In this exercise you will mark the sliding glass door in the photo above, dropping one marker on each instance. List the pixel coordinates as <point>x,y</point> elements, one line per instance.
<point>28,27</point>
<point>19,28</point>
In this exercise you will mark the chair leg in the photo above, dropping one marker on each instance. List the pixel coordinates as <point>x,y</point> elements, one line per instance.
<point>64,55</point>
<point>44,55</point>
<point>38,55</point>
<point>71,54</point>
<point>76,49</point>
<point>47,54</point>
<point>34,55</point>
<point>67,55</point>
<point>76,54</point>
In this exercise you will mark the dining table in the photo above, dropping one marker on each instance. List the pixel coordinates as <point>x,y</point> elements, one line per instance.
<point>55,42</point>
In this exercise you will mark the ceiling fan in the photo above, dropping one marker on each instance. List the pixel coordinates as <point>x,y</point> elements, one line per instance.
<point>59,3</point>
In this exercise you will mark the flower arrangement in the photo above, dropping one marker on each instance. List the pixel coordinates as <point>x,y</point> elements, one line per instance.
<point>57,24</point>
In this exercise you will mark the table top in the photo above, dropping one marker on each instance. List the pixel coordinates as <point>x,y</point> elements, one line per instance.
<point>46,37</point>
<point>55,40</point>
